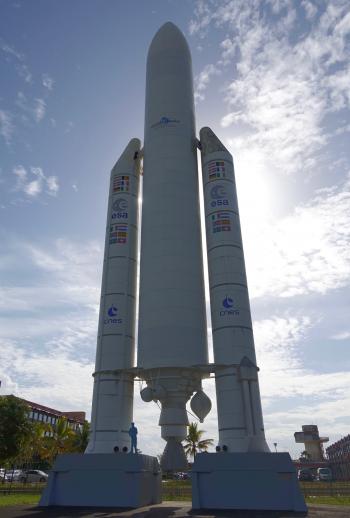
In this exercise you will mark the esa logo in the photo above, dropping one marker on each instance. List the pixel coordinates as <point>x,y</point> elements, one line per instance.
<point>119,209</point>
<point>228,310</point>
<point>112,314</point>
<point>218,195</point>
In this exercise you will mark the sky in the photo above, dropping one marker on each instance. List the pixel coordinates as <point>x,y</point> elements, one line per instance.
<point>272,80</point>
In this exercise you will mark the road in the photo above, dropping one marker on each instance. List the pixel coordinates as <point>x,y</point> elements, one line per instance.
<point>164,510</point>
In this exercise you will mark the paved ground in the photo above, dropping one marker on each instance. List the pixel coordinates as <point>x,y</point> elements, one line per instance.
<point>164,510</point>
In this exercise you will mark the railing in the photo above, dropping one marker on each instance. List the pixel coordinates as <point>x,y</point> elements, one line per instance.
<point>182,490</point>
<point>335,488</point>
<point>16,480</point>
<point>177,490</point>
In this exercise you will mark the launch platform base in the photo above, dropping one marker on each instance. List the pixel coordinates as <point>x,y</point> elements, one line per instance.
<point>246,481</point>
<point>103,480</point>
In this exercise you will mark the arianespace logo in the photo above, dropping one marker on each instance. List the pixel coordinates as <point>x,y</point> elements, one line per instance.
<point>165,122</point>
<point>228,307</point>
<point>112,314</point>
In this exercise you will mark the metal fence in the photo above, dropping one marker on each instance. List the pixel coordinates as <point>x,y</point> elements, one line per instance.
<point>181,491</point>
<point>336,488</point>
<point>26,478</point>
<point>177,489</point>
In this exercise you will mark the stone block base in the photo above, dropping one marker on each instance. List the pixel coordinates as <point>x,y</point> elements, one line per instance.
<point>246,481</point>
<point>103,480</point>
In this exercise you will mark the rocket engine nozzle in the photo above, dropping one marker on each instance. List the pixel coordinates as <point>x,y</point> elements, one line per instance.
<point>174,457</point>
<point>173,387</point>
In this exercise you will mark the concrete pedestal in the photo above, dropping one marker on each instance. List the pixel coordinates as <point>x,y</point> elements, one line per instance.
<point>103,480</point>
<point>246,481</point>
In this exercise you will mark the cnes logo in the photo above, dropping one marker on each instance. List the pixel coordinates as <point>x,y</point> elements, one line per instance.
<point>112,314</point>
<point>228,307</point>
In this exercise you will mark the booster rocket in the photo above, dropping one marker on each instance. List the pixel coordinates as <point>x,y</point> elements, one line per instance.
<point>112,402</point>
<point>240,420</point>
<point>172,329</point>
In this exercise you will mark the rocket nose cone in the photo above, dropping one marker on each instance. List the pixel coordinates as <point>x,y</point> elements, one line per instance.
<point>168,38</point>
<point>210,142</point>
<point>128,155</point>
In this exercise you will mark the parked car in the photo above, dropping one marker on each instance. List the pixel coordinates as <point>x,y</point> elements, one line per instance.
<point>34,475</point>
<point>305,474</point>
<point>324,474</point>
<point>13,475</point>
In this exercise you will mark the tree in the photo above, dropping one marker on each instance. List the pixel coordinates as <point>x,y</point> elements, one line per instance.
<point>304,456</point>
<point>80,438</point>
<point>15,427</point>
<point>60,440</point>
<point>37,448</point>
<point>194,442</point>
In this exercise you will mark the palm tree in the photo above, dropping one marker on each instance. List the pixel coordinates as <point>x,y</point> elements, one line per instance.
<point>34,449</point>
<point>81,438</point>
<point>61,438</point>
<point>194,442</point>
<point>304,456</point>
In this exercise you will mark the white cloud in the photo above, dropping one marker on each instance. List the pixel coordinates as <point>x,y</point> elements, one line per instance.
<point>69,127</point>
<point>24,72</point>
<point>341,336</point>
<point>202,19</point>
<point>202,81</point>
<point>292,393</point>
<point>21,174</point>
<point>33,187</point>
<point>39,109</point>
<point>279,5</point>
<point>69,388</point>
<point>52,185</point>
<point>282,87</point>
<point>276,340</point>
<point>47,81</point>
<point>50,324</point>
<point>20,66</point>
<point>36,109</point>
<point>6,126</point>
<point>11,51</point>
<point>305,252</point>
<point>310,9</point>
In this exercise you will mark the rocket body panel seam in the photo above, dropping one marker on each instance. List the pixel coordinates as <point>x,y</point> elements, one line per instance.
<point>232,327</point>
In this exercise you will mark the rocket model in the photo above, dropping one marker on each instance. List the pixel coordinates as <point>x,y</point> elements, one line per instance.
<point>172,357</point>
<point>172,330</point>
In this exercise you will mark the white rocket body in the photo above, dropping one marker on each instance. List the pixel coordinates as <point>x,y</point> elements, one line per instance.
<point>240,419</point>
<point>112,405</point>
<point>172,332</point>
<point>172,318</point>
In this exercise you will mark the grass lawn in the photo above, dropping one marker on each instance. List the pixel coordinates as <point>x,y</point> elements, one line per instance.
<point>19,499</point>
<point>168,494</point>
<point>329,500</point>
